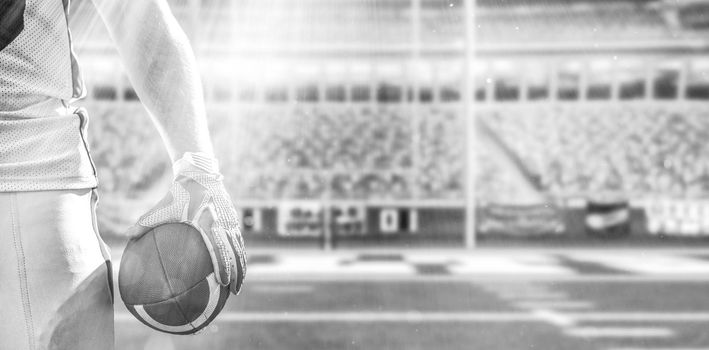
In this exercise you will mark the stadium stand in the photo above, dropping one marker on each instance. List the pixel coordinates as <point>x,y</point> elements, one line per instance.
<point>305,152</point>
<point>643,149</point>
<point>356,152</point>
<point>441,154</point>
<point>365,152</point>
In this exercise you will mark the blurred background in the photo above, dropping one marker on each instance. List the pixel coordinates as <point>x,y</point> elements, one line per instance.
<point>542,145</point>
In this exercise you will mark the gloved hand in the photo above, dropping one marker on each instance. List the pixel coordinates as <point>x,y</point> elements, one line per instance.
<point>198,197</point>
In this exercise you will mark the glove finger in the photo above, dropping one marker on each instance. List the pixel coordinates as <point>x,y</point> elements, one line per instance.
<point>239,263</point>
<point>228,257</point>
<point>215,239</point>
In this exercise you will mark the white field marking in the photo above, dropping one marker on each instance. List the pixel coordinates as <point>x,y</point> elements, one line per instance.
<point>640,316</point>
<point>424,317</point>
<point>281,289</point>
<point>490,265</point>
<point>330,265</point>
<point>538,296</point>
<point>554,304</point>
<point>554,318</point>
<point>477,259</point>
<point>431,259</point>
<point>512,278</point>
<point>658,349</point>
<point>515,288</point>
<point>651,263</point>
<point>619,332</point>
<point>403,317</point>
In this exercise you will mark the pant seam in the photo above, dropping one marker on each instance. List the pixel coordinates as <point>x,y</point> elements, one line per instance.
<point>22,270</point>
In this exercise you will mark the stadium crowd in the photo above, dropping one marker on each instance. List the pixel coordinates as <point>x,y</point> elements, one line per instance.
<point>441,155</point>
<point>369,152</point>
<point>629,148</point>
<point>311,152</point>
<point>274,152</point>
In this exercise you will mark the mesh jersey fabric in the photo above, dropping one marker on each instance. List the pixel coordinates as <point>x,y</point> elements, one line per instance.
<point>39,69</point>
<point>42,139</point>
<point>45,154</point>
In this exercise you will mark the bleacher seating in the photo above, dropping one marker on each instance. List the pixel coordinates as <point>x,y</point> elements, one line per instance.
<point>279,152</point>
<point>360,152</point>
<point>442,153</point>
<point>629,148</point>
<point>366,152</point>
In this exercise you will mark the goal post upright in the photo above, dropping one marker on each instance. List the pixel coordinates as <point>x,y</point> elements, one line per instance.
<point>471,159</point>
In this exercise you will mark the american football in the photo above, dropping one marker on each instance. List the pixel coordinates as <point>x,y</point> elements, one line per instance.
<point>167,281</point>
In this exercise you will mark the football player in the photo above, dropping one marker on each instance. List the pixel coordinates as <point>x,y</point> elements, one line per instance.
<point>55,272</point>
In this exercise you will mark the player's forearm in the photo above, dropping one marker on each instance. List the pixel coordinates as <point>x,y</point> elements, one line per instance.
<point>164,74</point>
<point>162,68</point>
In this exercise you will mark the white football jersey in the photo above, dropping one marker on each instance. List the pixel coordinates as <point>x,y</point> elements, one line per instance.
<point>42,146</point>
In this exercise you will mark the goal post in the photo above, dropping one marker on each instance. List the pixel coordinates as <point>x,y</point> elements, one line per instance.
<point>471,159</point>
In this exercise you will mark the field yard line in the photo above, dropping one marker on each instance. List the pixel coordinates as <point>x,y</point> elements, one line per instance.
<point>658,349</point>
<point>619,332</point>
<point>554,317</point>
<point>548,296</point>
<point>404,317</point>
<point>640,316</point>
<point>426,317</point>
<point>689,278</point>
<point>554,304</point>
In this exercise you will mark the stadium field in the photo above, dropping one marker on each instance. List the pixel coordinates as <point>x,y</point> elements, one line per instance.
<point>516,300</point>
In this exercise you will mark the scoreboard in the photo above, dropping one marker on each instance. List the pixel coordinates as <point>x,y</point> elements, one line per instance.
<point>342,222</point>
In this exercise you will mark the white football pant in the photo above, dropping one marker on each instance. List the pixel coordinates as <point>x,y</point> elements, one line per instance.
<point>55,282</point>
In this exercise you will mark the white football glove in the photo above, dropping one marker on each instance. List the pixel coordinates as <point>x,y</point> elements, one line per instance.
<point>198,197</point>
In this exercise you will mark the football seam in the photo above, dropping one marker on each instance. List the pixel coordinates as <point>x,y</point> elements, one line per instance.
<point>168,282</point>
<point>171,298</point>
<point>169,285</point>
<point>195,329</point>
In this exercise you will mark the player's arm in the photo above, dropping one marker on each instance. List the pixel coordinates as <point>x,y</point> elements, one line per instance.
<point>162,68</point>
